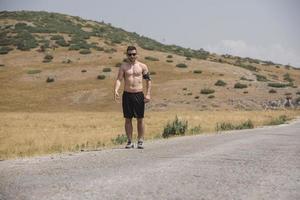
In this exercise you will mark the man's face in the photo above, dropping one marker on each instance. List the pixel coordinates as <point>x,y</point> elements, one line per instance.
<point>131,55</point>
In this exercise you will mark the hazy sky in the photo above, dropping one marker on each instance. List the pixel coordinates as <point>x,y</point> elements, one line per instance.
<point>265,29</point>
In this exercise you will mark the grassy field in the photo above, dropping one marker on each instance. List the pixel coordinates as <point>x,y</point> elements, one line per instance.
<point>30,134</point>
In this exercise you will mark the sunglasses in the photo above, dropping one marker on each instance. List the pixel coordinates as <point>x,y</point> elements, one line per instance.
<point>131,54</point>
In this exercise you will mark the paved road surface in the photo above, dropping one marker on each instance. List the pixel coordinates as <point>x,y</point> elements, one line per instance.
<point>255,164</point>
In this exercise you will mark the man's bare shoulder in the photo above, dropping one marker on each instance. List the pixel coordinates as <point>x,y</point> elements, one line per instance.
<point>144,66</point>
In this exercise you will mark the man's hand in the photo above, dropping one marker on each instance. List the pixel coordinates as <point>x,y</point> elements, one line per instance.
<point>116,96</point>
<point>147,98</point>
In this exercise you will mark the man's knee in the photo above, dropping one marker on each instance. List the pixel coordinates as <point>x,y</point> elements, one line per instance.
<point>128,120</point>
<point>140,120</point>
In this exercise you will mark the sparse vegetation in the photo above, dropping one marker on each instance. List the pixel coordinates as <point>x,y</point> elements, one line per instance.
<point>279,85</point>
<point>34,71</point>
<point>85,51</point>
<point>279,120</point>
<point>120,139</point>
<point>211,96</point>
<point>181,65</point>
<point>177,127</point>
<point>272,91</point>
<point>287,77</point>
<point>101,77</point>
<point>151,58</point>
<point>169,56</point>
<point>47,58</point>
<point>106,69</point>
<point>240,85</point>
<point>225,126</point>
<point>261,78</point>
<point>118,64</point>
<point>197,71</point>
<point>220,83</point>
<point>5,50</point>
<point>207,91</point>
<point>169,61</point>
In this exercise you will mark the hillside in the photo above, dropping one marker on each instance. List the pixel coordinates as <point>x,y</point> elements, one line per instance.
<point>54,62</point>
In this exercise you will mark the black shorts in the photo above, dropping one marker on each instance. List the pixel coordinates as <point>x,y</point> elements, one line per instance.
<point>133,104</point>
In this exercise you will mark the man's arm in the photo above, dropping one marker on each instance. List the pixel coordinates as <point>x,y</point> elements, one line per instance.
<point>146,76</point>
<point>118,83</point>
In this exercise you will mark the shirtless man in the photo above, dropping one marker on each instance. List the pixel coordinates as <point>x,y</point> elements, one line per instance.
<point>133,99</point>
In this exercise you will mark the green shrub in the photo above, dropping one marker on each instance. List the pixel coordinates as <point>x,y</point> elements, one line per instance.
<point>188,58</point>
<point>34,71</point>
<point>151,58</point>
<point>245,79</point>
<point>50,79</point>
<point>5,50</point>
<point>224,126</point>
<point>261,78</point>
<point>240,86</point>
<point>195,130</point>
<point>57,37</point>
<point>118,64</point>
<point>85,51</point>
<point>169,56</point>
<point>177,127</point>
<point>181,65</point>
<point>279,85</point>
<point>220,83</point>
<point>101,77</point>
<point>207,91</point>
<point>47,58</point>
<point>169,61</point>
<point>62,43</point>
<point>197,71</point>
<point>279,120</point>
<point>287,77</point>
<point>106,69</point>
<point>120,139</point>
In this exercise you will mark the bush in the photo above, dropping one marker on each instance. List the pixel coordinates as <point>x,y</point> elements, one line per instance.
<point>211,96</point>
<point>197,71</point>
<point>85,51</point>
<point>47,58</point>
<point>287,77</point>
<point>195,130</point>
<point>5,50</point>
<point>151,58</point>
<point>101,77</point>
<point>207,91</point>
<point>279,120</point>
<point>225,126</point>
<point>50,79</point>
<point>120,139</point>
<point>298,93</point>
<point>177,127</point>
<point>106,69</point>
<point>34,71</point>
<point>118,64</point>
<point>220,83</point>
<point>240,86</point>
<point>57,37</point>
<point>181,65</point>
<point>169,61</point>
<point>169,56</point>
<point>279,85</point>
<point>188,58</point>
<point>261,78</point>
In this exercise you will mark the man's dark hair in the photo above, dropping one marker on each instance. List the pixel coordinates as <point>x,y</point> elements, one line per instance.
<point>130,48</point>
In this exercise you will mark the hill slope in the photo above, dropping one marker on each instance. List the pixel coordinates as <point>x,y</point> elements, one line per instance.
<point>38,47</point>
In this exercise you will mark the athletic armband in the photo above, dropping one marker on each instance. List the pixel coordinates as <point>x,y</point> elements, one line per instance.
<point>147,77</point>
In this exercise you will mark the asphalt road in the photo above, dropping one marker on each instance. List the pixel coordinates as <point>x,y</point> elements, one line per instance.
<point>255,164</point>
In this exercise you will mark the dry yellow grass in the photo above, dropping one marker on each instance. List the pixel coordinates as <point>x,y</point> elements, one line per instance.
<point>29,134</point>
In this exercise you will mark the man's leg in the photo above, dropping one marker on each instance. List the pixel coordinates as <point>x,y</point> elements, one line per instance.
<point>141,131</point>
<point>128,128</point>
